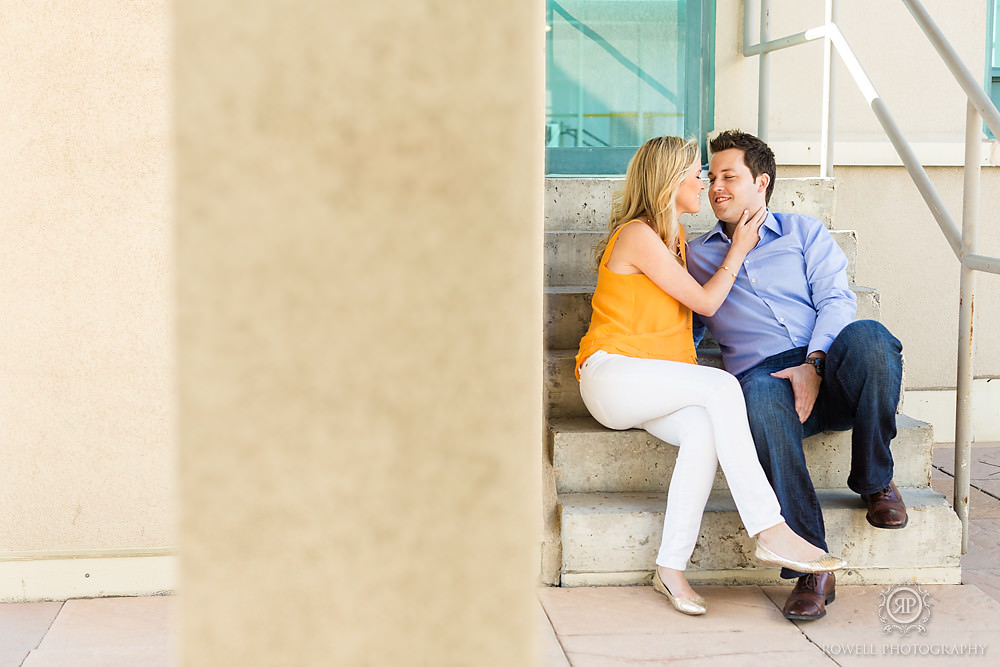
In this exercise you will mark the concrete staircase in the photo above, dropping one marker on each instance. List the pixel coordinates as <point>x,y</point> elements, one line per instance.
<point>605,491</point>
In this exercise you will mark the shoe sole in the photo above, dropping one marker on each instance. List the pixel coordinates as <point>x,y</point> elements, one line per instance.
<point>887,526</point>
<point>829,600</point>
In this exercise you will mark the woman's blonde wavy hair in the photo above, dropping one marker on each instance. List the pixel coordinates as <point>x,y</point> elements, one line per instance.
<point>651,181</point>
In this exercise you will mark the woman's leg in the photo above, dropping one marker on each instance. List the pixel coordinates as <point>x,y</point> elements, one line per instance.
<point>690,484</point>
<point>624,392</point>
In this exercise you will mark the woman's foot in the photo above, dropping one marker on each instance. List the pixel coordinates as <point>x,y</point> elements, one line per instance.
<point>675,587</point>
<point>782,540</point>
<point>779,545</point>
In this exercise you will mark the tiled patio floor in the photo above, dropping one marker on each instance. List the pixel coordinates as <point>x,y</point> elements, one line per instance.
<point>105,632</point>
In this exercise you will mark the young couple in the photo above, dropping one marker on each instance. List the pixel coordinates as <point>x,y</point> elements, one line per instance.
<point>773,290</point>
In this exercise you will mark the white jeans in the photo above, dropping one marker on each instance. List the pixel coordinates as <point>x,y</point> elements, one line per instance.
<point>702,411</point>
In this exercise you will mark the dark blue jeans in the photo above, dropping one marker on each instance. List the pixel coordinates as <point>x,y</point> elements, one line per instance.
<point>860,390</point>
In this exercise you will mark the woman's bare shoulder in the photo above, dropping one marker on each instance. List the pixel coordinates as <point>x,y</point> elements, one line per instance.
<point>637,230</point>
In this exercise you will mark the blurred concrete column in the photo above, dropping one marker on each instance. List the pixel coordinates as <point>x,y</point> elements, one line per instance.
<point>358,237</point>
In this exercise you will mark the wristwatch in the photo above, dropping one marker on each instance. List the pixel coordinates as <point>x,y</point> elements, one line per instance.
<point>819,363</point>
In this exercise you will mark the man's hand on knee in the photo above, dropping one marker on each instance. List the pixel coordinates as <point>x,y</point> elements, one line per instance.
<point>805,386</point>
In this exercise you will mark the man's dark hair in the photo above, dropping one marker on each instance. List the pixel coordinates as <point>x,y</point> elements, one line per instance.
<point>757,156</point>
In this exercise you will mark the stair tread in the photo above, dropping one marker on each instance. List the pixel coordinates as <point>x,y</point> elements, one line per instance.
<point>722,501</point>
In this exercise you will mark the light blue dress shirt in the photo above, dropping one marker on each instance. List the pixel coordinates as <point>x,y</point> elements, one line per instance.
<point>791,292</point>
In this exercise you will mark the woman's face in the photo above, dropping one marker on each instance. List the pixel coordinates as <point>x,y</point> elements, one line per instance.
<point>688,199</point>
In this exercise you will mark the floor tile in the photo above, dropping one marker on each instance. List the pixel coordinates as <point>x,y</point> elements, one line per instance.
<point>639,610</point>
<point>784,646</point>
<point>551,653</point>
<point>23,624</point>
<point>853,632</point>
<point>981,505</point>
<point>988,581</point>
<point>984,462</point>
<point>12,657</point>
<point>984,545</point>
<point>937,474</point>
<point>991,487</point>
<point>129,656</point>
<point>114,622</point>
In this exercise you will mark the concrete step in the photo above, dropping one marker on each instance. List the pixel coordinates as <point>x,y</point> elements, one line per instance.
<point>584,204</point>
<point>562,389</point>
<point>567,312</point>
<point>612,539</point>
<point>588,458</point>
<point>569,256</point>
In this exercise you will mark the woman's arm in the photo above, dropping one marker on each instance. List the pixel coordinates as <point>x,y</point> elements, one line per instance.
<point>641,249</point>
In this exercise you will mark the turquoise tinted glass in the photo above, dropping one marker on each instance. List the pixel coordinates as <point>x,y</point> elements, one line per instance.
<point>619,72</point>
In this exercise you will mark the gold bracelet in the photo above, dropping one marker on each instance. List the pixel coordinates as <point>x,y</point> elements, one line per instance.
<point>727,270</point>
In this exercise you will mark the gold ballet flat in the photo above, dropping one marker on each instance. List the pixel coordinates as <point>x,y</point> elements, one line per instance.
<point>825,563</point>
<point>692,607</point>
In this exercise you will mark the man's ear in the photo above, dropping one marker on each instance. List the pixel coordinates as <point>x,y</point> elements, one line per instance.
<point>763,180</point>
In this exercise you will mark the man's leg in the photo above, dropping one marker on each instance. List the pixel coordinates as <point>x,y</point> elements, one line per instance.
<point>864,369</point>
<point>777,435</point>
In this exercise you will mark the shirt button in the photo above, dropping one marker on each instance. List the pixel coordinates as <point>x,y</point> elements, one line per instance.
<point>753,280</point>
<point>781,319</point>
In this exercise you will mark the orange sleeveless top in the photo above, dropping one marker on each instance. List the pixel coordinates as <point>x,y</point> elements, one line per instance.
<point>635,318</point>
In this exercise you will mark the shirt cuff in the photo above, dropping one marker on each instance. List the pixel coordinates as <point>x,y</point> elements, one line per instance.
<point>820,342</point>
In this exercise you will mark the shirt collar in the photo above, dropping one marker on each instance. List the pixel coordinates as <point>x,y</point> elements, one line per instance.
<point>770,222</point>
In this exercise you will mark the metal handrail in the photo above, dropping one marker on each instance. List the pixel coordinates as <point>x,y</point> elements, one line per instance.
<point>979,109</point>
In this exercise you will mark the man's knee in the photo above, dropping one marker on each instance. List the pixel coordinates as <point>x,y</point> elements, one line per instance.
<point>867,337</point>
<point>866,345</point>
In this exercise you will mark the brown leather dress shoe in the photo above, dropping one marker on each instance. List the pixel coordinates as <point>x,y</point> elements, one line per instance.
<point>886,508</point>
<point>810,596</point>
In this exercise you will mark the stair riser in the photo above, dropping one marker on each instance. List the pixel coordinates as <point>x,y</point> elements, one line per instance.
<point>568,311</point>
<point>569,256</point>
<point>562,390</point>
<point>634,461</point>
<point>610,544</point>
<point>584,204</point>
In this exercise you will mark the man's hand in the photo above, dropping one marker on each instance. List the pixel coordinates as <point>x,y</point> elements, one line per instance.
<point>805,386</point>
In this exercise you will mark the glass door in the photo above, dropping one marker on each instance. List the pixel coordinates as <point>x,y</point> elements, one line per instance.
<point>621,71</point>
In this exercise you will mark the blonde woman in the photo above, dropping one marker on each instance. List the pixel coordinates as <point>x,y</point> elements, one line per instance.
<point>637,365</point>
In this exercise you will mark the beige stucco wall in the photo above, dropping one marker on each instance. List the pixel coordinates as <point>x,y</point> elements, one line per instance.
<point>359,218</point>
<point>900,248</point>
<point>86,356</point>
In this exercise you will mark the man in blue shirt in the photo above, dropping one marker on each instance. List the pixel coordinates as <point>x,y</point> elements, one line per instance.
<point>786,331</point>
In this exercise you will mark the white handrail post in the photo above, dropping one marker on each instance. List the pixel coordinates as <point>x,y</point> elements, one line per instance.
<point>826,133</point>
<point>763,72</point>
<point>966,323</point>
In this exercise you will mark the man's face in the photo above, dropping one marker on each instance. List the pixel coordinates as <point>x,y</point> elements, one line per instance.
<point>732,189</point>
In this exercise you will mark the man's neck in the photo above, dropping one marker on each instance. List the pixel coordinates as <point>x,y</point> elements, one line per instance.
<point>729,227</point>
